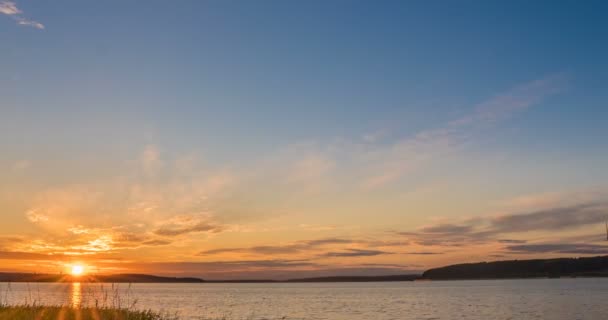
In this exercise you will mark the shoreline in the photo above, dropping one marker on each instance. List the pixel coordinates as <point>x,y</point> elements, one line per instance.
<point>300,282</point>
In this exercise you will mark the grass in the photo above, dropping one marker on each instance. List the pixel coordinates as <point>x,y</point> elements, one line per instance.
<point>99,303</point>
<point>32,312</point>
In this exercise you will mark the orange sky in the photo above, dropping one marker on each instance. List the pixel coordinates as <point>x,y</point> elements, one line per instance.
<point>159,215</point>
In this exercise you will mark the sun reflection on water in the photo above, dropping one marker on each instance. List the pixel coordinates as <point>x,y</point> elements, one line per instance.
<point>76,295</point>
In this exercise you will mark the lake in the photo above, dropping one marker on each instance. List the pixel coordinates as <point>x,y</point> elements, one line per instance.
<point>553,299</point>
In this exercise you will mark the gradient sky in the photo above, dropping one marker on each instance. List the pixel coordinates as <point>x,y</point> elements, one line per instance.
<point>257,139</point>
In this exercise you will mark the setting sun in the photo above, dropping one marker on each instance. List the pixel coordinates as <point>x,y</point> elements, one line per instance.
<point>77,270</point>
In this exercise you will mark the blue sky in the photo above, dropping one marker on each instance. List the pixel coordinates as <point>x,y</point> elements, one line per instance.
<point>306,70</point>
<point>472,102</point>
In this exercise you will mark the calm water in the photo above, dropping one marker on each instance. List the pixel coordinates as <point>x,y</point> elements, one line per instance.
<point>553,299</point>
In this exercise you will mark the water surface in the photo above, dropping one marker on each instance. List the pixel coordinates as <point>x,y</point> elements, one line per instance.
<point>554,299</point>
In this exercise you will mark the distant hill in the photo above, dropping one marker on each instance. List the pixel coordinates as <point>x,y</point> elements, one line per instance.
<point>562,267</point>
<point>403,277</point>
<point>115,278</point>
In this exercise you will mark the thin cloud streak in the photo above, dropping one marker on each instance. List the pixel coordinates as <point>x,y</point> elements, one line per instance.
<point>409,153</point>
<point>565,248</point>
<point>509,234</point>
<point>355,253</point>
<point>293,248</point>
<point>275,269</point>
<point>9,8</point>
<point>484,229</point>
<point>552,219</point>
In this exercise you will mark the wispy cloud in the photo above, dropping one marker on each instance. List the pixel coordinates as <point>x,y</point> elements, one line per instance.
<point>396,160</point>
<point>519,98</point>
<point>355,253</point>
<point>447,228</point>
<point>10,9</point>
<point>267,269</point>
<point>18,255</point>
<point>558,218</point>
<point>151,206</point>
<point>291,248</point>
<point>185,226</point>
<point>565,248</point>
<point>424,253</point>
<point>487,230</point>
<point>512,241</point>
<point>315,249</point>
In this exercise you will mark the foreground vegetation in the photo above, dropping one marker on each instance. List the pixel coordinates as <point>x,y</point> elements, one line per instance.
<point>68,313</point>
<point>84,303</point>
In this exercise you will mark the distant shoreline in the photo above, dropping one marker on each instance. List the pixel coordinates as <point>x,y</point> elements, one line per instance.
<point>522,269</point>
<point>591,267</point>
<point>245,281</point>
<point>114,278</point>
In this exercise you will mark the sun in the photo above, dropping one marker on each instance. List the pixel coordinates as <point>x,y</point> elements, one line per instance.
<point>77,269</point>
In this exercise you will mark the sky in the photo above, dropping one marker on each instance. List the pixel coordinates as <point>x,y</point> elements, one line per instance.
<point>282,139</point>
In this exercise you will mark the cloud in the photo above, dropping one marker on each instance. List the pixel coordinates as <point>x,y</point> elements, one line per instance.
<point>517,99</point>
<point>271,250</point>
<point>390,163</point>
<point>264,263</point>
<point>78,240</point>
<point>100,244</point>
<point>355,253</point>
<point>30,23</point>
<point>552,228</point>
<point>78,230</point>
<point>16,255</point>
<point>292,248</point>
<point>511,241</point>
<point>36,216</point>
<point>185,225</point>
<point>489,229</point>
<point>424,253</point>
<point>558,218</point>
<point>7,242</point>
<point>566,248</point>
<point>220,250</point>
<point>276,269</point>
<point>326,241</point>
<point>157,242</point>
<point>9,8</point>
<point>447,229</point>
<point>236,267</point>
<point>469,232</point>
<point>133,210</point>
